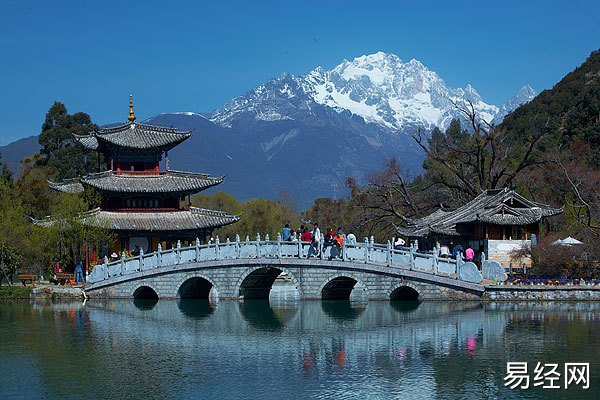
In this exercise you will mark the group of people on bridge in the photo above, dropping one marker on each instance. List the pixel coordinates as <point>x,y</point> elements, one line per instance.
<point>332,239</point>
<point>447,250</point>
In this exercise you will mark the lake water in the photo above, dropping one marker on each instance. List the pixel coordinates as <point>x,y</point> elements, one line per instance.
<point>286,349</point>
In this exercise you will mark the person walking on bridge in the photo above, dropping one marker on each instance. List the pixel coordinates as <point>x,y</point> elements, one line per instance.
<point>457,251</point>
<point>316,238</point>
<point>286,233</point>
<point>306,235</point>
<point>351,238</point>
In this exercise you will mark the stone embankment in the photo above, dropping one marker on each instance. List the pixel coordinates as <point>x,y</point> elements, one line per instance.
<point>58,292</point>
<point>542,292</point>
<point>492,293</point>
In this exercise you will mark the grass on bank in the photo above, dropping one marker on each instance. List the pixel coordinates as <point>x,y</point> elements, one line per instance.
<point>15,292</point>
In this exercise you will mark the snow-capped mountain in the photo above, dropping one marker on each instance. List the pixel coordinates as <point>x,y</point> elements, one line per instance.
<point>308,133</point>
<point>380,88</point>
<point>523,95</point>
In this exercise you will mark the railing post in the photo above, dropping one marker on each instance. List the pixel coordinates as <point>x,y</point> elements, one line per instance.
<point>389,254</point>
<point>279,245</point>
<point>321,247</point>
<point>197,249</point>
<point>159,256</point>
<point>217,251</point>
<point>411,255</point>
<point>178,252</point>
<point>141,262</point>
<point>122,262</point>
<point>105,267</point>
<point>299,247</point>
<point>344,250</point>
<point>366,250</point>
<point>258,245</point>
<point>237,246</point>
<point>435,261</point>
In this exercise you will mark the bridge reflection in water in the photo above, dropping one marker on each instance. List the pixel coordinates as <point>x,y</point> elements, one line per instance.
<point>198,348</point>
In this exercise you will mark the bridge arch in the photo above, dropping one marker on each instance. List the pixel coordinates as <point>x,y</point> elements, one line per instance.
<point>261,286</point>
<point>196,286</point>
<point>340,286</point>
<point>145,290</point>
<point>405,291</point>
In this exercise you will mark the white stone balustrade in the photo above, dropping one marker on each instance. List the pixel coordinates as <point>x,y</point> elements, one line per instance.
<point>367,252</point>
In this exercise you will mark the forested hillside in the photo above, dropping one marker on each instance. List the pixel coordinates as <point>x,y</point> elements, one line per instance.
<point>570,110</point>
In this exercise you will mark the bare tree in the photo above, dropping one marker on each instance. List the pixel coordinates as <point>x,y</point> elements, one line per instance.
<point>387,198</point>
<point>486,157</point>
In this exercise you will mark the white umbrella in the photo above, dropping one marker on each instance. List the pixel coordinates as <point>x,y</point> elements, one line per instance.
<point>569,241</point>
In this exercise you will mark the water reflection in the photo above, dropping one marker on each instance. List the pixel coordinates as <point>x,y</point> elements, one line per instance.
<point>343,310</point>
<point>195,308</point>
<point>189,349</point>
<point>145,303</point>
<point>404,306</point>
<point>262,315</point>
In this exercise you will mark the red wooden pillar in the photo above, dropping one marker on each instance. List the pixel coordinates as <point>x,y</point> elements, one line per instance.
<point>87,260</point>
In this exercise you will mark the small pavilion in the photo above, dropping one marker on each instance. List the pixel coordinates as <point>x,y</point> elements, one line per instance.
<point>495,223</point>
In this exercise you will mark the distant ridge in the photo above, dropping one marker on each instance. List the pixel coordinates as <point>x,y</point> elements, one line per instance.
<point>307,134</point>
<point>14,152</point>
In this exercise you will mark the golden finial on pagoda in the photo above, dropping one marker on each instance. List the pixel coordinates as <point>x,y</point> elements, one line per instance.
<point>131,116</point>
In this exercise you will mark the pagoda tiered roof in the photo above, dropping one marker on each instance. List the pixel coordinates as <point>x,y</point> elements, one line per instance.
<point>192,219</point>
<point>498,206</point>
<point>134,135</point>
<point>140,182</point>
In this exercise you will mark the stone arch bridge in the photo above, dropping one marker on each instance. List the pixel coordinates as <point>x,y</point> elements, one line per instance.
<point>248,269</point>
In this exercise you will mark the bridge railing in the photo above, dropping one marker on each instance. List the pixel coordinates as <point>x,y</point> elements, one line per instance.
<point>363,252</point>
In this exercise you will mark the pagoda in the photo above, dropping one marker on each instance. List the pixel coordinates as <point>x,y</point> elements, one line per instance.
<point>143,205</point>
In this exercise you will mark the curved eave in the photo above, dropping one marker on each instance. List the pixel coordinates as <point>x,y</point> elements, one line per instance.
<point>175,182</point>
<point>161,221</point>
<point>88,141</point>
<point>139,136</point>
<point>108,143</point>
<point>191,220</point>
<point>67,186</point>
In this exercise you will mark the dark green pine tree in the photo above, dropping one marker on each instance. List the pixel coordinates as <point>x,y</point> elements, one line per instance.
<point>5,173</point>
<point>63,154</point>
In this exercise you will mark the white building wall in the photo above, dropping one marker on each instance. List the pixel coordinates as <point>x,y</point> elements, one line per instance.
<point>500,250</point>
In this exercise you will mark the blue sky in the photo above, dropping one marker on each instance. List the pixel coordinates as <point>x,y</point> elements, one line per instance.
<point>195,56</point>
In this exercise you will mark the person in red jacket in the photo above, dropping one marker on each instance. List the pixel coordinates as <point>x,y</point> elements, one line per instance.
<point>306,236</point>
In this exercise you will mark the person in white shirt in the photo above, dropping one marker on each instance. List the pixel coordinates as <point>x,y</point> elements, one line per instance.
<point>316,238</point>
<point>351,238</point>
<point>399,243</point>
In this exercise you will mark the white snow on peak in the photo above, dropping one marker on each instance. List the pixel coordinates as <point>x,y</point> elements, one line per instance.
<point>382,89</point>
<point>523,95</point>
<point>378,87</point>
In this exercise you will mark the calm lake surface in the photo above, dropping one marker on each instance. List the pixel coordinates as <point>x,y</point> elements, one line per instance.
<point>286,349</point>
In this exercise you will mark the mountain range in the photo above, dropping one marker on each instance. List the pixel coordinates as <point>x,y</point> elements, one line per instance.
<point>306,134</point>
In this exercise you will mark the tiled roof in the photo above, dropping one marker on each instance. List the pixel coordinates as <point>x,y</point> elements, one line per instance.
<point>169,182</point>
<point>500,206</point>
<point>88,141</point>
<point>195,218</point>
<point>72,185</point>
<point>134,136</point>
